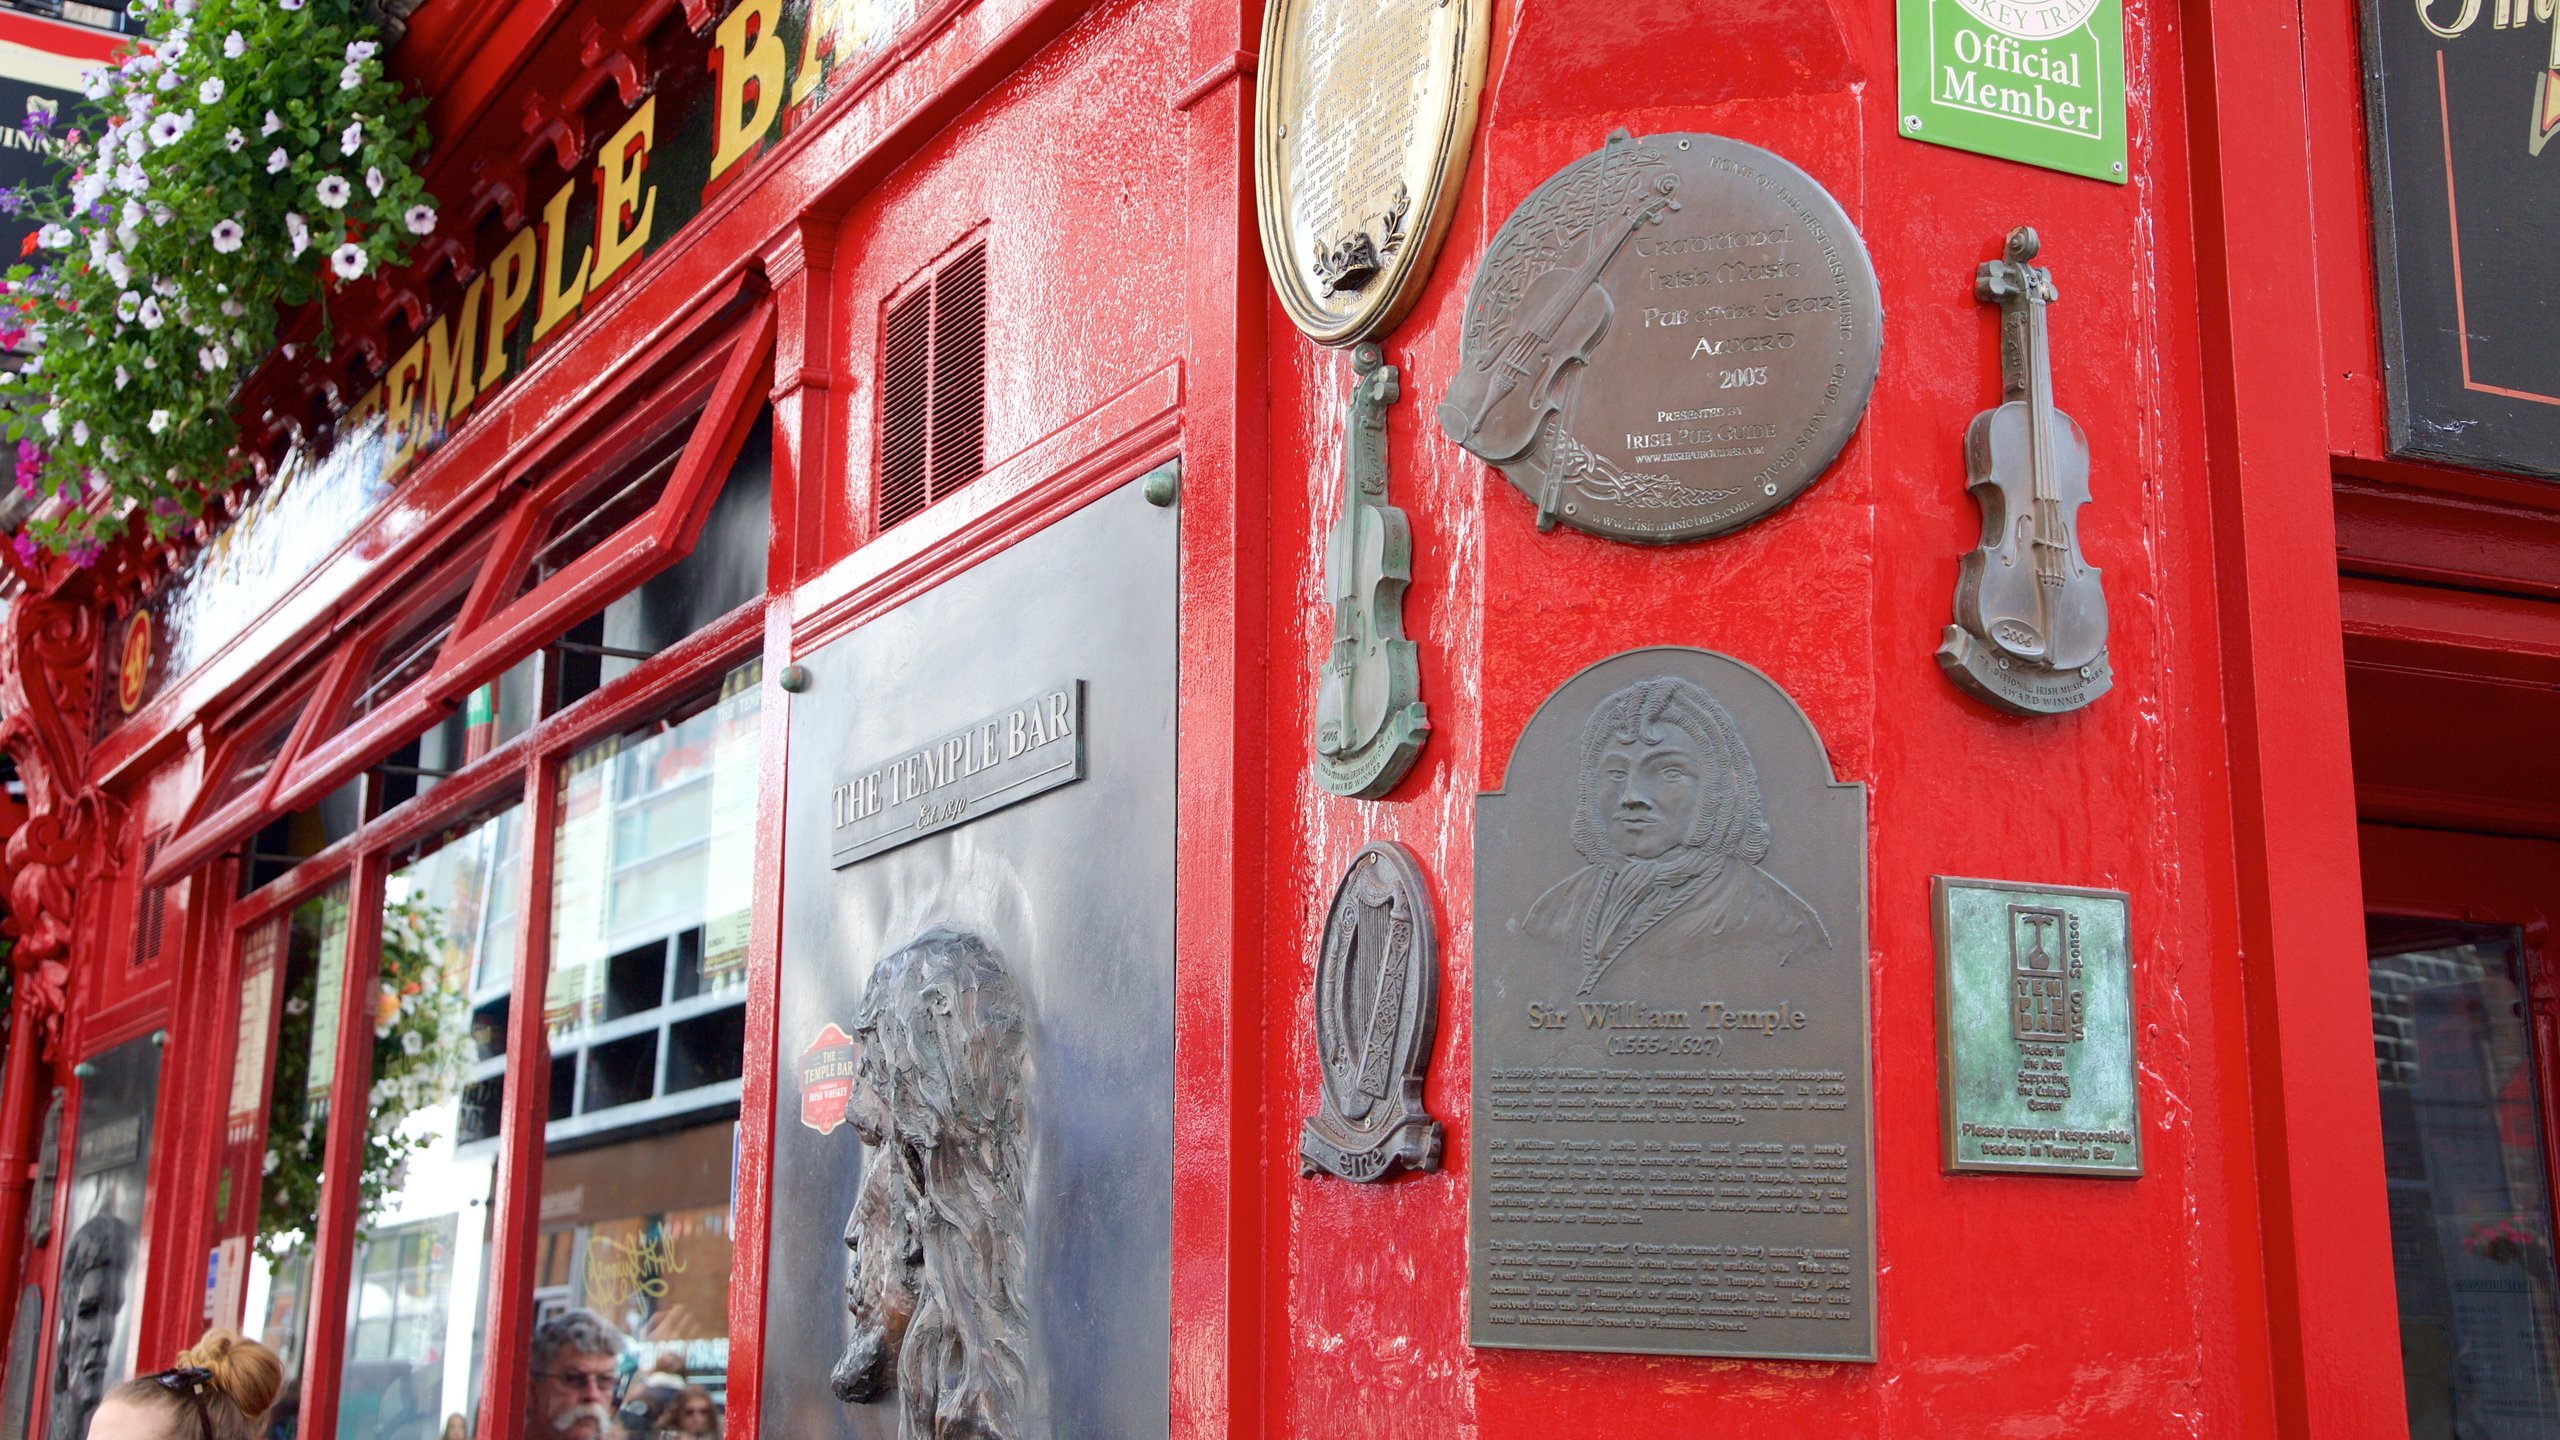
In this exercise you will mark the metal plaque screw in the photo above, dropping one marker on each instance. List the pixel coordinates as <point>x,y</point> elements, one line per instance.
<point>794,678</point>
<point>1769,489</point>
<point>1684,144</point>
<point>2119,167</point>
<point>1162,486</point>
<point>1910,122</point>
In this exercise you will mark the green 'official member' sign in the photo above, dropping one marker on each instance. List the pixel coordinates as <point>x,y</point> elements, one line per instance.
<point>2035,1029</point>
<point>2037,81</point>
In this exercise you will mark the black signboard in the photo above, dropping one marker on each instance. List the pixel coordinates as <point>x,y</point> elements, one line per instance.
<point>2464,102</point>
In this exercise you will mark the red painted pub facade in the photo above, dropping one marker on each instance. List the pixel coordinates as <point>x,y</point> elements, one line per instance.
<point>402,949</point>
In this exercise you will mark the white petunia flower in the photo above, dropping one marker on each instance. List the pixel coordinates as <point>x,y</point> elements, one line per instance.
<point>56,237</point>
<point>214,357</point>
<point>299,230</point>
<point>277,160</point>
<point>352,138</point>
<point>150,315</point>
<point>164,287</point>
<point>226,236</point>
<point>53,423</point>
<point>168,80</point>
<point>161,214</point>
<point>373,179</point>
<point>166,130</point>
<point>350,78</point>
<point>210,92</point>
<point>233,140</point>
<point>122,379</point>
<point>233,47</point>
<point>273,124</point>
<point>360,51</point>
<point>348,260</point>
<point>159,421</point>
<point>173,47</point>
<point>109,448</point>
<point>89,189</point>
<point>234,309</point>
<point>333,192</point>
<point>96,83</point>
<point>132,218</point>
<point>421,220</point>
<point>79,432</point>
<point>127,305</point>
<point>116,268</point>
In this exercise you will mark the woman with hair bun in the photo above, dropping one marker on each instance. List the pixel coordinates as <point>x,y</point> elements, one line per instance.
<point>218,1390</point>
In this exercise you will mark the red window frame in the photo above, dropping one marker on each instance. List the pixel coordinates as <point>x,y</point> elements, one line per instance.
<point>720,374</point>
<point>716,366</point>
<point>2480,879</point>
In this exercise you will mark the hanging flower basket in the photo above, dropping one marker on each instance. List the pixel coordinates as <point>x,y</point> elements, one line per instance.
<point>250,158</point>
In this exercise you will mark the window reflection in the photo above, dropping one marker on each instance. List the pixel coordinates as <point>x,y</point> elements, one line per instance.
<point>652,877</point>
<point>2462,1150</point>
<point>417,1293</point>
<point>304,1027</point>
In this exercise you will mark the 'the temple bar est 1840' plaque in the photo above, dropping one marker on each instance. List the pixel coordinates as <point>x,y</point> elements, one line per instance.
<point>1672,1128</point>
<point>2035,1029</point>
<point>1668,340</point>
<point>1365,112</point>
<point>1034,745</point>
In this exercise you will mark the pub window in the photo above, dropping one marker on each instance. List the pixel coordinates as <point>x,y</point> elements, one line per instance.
<point>724,570</point>
<point>417,1285</point>
<point>652,882</point>
<point>267,1193</point>
<point>933,386</point>
<point>2464,1166</point>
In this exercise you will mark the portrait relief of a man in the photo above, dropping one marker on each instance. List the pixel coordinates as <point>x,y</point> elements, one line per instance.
<point>936,1273</point>
<point>1671,830</point>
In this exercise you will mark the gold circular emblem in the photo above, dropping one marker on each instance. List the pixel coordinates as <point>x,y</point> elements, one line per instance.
<point>133,666</point>
<point>1361,127</point>
<point>2031,19</point>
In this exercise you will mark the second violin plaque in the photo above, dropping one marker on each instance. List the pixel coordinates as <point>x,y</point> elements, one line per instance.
<point>1670,338</point>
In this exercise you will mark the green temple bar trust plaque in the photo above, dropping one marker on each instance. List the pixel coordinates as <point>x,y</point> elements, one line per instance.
<point>2040,82</point>
<point>2035,1030</point>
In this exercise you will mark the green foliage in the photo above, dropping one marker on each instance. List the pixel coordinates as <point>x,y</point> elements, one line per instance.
<point>253,155</point>
<point>421,1047</point>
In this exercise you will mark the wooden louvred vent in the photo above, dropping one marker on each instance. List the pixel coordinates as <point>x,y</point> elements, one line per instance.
<point>933,387</point>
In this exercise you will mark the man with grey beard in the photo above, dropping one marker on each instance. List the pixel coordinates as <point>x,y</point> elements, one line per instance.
<point>577,1367</point>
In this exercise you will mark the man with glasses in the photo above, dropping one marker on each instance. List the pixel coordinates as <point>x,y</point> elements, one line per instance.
<point>577,1375</point>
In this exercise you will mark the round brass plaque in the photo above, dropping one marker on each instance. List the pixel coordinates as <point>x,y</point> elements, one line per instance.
<point>1669,339</point>
<point>1360,136</point>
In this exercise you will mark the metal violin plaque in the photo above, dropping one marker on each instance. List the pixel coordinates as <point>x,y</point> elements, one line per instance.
<point>1370,721</point>
<point>1669,339</point>
<point>2031,616</point>
<point>1670,1090</point>
<point>1377,1003</point>
<point>1365,112</point>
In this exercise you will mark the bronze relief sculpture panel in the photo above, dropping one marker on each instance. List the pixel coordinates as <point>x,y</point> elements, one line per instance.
<point>1670,1084</point>
<point>1377,1004</point>
<point>2030,634</point>
<point>1370,721</point>
<point>1669,339</point>
<point>1363,118</point>
<point>935,1279</point>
